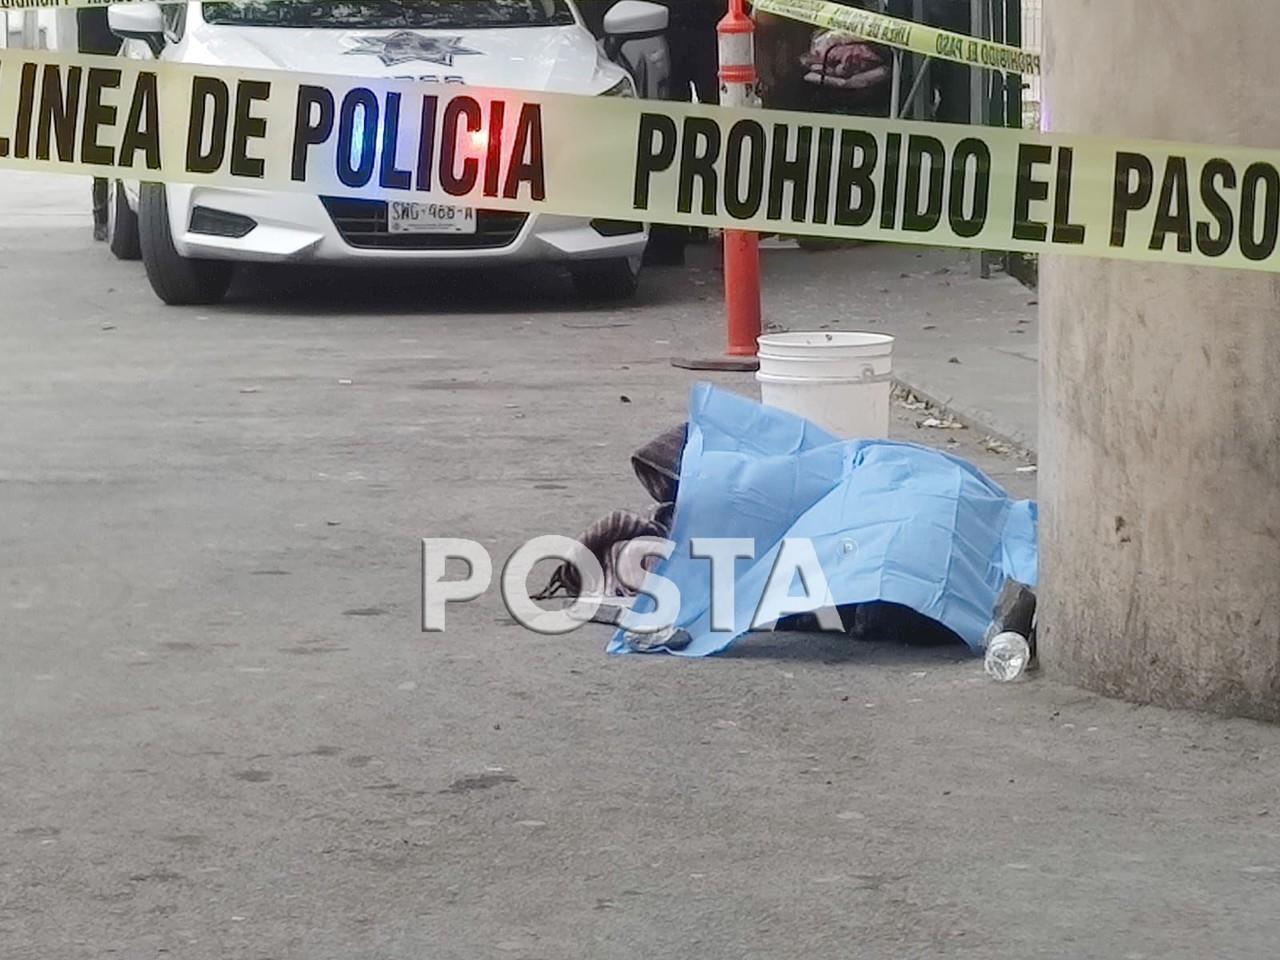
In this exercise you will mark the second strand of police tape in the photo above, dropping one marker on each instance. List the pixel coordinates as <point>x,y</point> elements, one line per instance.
<point>890,31</point>
<point>655,162</point>
<point>905,35</point>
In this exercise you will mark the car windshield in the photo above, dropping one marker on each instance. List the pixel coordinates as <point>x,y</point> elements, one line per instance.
<point>373,14</point>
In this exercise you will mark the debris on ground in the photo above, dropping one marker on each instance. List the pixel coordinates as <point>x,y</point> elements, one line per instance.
<point>907,398</point>
<point>937,418</point>
<point>940,423</point>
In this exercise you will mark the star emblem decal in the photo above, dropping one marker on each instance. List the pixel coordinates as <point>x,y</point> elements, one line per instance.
<point>405,45</point>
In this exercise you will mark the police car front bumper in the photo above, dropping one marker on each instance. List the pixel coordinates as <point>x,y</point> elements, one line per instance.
<point>217,223</point>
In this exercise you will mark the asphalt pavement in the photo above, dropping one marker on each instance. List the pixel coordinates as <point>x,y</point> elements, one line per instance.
<point>223,736</point>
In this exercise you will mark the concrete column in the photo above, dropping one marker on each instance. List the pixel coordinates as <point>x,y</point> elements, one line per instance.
<point>1160,385</point>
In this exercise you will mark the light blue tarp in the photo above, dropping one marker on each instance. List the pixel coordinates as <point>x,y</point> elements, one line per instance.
<point>889,521</point>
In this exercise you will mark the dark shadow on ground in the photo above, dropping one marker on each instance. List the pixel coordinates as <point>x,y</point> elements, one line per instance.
<point>837,648</point>
<point>284,289</point>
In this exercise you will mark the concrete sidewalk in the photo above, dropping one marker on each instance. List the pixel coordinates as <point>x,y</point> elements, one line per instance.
<point>967,344</point>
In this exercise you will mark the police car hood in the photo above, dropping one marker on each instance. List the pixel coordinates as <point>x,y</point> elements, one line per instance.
<point>552,59</point>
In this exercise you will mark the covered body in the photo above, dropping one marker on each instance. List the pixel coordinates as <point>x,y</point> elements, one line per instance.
<point>888,521</point>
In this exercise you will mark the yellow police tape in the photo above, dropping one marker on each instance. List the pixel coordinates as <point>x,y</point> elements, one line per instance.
<point>905,34</point>
<point>608,157</point>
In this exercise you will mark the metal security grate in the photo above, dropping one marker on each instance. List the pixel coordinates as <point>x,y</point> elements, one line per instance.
<point>363,224</point>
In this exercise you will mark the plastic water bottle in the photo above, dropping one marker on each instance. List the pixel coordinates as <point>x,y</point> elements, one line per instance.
<point>1007,657</point>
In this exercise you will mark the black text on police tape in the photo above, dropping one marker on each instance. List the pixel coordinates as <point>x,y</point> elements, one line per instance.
<point>67,112</point>
<point>792,174</point>
<point>461,146</point>
<point>829,176</point>
<point>91,115</point>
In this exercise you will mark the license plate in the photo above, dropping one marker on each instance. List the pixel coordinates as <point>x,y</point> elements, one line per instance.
<point>406,217</point>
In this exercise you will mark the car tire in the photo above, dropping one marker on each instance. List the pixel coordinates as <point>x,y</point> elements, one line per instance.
<point>122,224</point>
<point>604,280</point>
<point>177,280</point>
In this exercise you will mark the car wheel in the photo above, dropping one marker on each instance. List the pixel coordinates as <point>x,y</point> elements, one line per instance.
<point>122,224</point>
<point>616,279</point>
<point>177,280</point>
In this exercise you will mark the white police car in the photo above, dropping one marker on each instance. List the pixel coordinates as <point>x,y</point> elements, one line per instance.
<point>190,237</point>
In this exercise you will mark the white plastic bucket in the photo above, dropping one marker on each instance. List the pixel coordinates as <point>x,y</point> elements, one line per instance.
<point>840,381</point>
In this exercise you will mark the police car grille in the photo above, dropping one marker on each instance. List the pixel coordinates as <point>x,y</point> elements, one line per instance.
<point>363,224</point>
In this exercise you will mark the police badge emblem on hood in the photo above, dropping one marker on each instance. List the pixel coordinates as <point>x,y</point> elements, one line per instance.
<point>405,46</point>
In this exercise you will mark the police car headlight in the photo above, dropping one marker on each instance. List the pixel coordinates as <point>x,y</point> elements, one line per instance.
<point>623,88</point>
